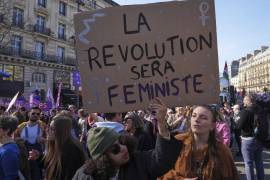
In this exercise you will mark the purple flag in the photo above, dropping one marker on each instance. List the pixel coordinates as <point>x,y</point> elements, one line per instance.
<point>34,99</point>
<point>49,99</point>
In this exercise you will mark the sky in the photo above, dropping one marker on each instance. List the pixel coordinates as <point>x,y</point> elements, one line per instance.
<point>242,26</point>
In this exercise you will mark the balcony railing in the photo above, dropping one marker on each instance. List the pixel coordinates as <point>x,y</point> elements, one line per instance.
<point>19,24</point>
<point>42,4</point>
<point>42,30</point>
<point>34,55</point>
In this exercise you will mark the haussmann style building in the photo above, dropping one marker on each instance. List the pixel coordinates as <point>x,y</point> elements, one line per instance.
<point>254,71</point>
<point>37,45</point>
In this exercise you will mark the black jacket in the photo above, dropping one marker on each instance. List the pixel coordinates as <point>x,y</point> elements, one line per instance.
<point>71,160</point>
<point>151,164</point>
<point>246,121</point>
<point>146,165</point>
<point>145,141</point>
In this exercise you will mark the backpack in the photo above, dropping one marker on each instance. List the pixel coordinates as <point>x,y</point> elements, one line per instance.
<point>261,126</point>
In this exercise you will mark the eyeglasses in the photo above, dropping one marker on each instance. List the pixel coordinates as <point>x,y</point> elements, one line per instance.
<point>35,114</point>
<point>114,149</point>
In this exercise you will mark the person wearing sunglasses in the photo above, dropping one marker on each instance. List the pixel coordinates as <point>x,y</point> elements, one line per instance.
<point>134,126</point>
<point>33,132</point>
<point>113,158</point>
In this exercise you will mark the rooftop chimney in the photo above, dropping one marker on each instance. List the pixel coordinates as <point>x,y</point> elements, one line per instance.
<point>256,52</point>
<point>264,48</point>
<point>249,56</point>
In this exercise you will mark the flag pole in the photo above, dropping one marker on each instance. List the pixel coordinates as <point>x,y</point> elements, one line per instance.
<point>12,102</point>
<point>58,95</point>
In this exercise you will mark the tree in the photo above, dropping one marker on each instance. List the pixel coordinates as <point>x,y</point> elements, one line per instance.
<point>8,23</point>
<point>5,21</point>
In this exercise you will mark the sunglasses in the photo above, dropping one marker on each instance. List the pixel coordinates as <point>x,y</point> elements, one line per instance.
<point>114,149</point>
<point>35,114</point>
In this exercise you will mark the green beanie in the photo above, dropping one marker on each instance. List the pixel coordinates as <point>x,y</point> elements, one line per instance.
<point>100,139</point>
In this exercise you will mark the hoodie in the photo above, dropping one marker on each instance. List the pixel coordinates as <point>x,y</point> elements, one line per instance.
<point>9,161</point>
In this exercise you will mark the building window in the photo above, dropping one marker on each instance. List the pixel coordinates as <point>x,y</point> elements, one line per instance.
<point>93,4</point>
<point>17,19</point>
<point>2,18</point>
<point>62,76</point>
<point>60,53</point>
<point>40,50</point>
<point>62,31</point>
<point>41,3</point>
<point>8,69</point>
<point>18,73</point>
<point>38,77</point>
<point>62,8</point>
<point>1,70</point>
<point>16,44</point>
<point>40,26</point>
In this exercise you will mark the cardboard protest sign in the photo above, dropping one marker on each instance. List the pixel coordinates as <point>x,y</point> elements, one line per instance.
<point>131,54</point>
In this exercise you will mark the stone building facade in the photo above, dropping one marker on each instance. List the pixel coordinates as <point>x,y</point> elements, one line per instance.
<point>37,44</point>
<point>254,71</point>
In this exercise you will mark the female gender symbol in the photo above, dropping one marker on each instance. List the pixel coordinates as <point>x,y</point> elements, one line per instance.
<point>204,7</point>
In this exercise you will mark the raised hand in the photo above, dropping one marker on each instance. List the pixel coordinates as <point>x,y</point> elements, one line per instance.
<point>161,111</point>
<point>160,108</point>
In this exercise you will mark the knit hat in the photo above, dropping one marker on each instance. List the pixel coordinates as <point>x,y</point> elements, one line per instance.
<point>119,128</point>
<point>136,119</point>
<point>100,139</point>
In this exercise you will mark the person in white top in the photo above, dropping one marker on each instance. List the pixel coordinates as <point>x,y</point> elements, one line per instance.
<point>33,134</point>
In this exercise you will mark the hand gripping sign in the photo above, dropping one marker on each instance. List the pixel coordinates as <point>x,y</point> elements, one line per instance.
<point>131,54</point>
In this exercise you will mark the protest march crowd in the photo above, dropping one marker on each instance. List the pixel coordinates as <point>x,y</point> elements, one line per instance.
<point>155,143</point>
<point>191,142</point>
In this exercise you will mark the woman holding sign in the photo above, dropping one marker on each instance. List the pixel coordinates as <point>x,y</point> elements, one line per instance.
<point>113,157</point>
<point>202,156</point>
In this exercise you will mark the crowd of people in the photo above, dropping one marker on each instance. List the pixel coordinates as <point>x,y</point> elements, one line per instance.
<point>191,142</point>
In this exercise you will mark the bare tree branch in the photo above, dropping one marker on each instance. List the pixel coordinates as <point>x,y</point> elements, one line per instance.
<point>5,21</point>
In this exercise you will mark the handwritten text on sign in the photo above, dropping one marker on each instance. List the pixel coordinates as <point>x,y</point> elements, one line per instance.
<point>129,55</point>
